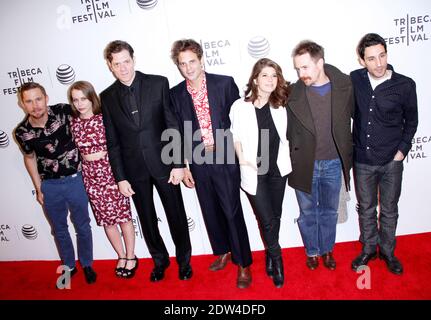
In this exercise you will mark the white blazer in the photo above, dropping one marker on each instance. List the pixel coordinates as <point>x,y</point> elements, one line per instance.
<point>245,130</point>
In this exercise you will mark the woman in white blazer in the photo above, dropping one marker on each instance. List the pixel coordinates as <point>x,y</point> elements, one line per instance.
<point>259,128</point>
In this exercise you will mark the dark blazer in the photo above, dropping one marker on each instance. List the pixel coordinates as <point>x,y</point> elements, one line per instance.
<point>301,130</point>
<point>131,145</point>
<point>222,92</point>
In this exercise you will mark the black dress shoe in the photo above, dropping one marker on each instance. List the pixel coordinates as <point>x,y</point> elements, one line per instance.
<point>363,259</point>
<point>278,272</point>
<point>90,275</point>
<point>73,271</point>
<point>312,262</point>
<point>269,267</point>
<point>185,272</point>
<point>329,261</point>
<point>158,272</point>
<point>394,265</point>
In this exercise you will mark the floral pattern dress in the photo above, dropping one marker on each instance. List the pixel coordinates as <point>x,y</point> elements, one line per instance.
<point>109,206</point>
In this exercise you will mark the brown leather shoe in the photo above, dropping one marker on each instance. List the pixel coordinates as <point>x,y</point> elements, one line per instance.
<point>221,262</point>
<point>244,277</point>
<point>329,261</point>
<point>312,262</point>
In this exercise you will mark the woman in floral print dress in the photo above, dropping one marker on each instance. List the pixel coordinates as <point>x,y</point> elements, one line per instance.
<point>111,209</point>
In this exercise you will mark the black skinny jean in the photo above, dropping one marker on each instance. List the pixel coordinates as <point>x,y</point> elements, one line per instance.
<point>268,205</point>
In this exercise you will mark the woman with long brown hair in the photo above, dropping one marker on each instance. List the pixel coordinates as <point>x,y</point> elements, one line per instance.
<point>259,128</point>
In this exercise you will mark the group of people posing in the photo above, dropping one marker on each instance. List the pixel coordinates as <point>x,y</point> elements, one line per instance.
<point>111,148</point>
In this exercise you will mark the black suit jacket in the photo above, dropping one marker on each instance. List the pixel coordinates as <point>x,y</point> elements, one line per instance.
<point>222,92</point>
<point>131,145</point>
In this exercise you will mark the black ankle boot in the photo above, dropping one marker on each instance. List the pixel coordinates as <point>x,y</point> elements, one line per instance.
<point>278,272</point>
<point>269,265</point>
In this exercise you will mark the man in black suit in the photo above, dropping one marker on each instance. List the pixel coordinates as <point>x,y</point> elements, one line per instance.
<point>135,112</point>
<point>202,103</point>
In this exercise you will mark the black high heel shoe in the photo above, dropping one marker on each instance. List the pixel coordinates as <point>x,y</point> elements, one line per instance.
<point>119,270</point>
<point>130,273</point>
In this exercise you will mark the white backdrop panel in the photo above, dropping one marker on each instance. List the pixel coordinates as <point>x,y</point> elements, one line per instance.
<point>39,36</point>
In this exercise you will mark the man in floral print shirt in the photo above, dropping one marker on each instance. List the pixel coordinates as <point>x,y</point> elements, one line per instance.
<point>52,161</point>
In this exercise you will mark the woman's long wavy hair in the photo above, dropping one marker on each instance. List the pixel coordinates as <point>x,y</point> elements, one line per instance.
<point>279,96</point>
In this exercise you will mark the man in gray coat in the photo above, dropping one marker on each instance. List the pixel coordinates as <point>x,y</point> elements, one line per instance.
<point>319,112</point>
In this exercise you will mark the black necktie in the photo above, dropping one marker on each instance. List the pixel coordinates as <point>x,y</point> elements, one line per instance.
<point>133,106</point>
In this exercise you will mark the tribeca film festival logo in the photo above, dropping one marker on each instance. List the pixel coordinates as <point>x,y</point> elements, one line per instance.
<point>258,47</point>
<point>417,151</point>
<point>410,29</point>
<point>146,4</point>
<point>28,231</point>
<point>19,76</point>
<point>213,51</point>
<point>137,227</point>
<point>4,230</point>
<point>91,11</point>
<point>4,139</point>
<point>65,74</point>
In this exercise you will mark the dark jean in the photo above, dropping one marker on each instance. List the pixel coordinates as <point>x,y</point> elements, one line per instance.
<point>60,196</point>
<point>267,205</point>
<point>318,211</point>
<point>378,185</point>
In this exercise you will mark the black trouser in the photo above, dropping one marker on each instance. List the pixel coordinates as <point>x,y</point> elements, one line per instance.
<point>218,192</point>
<point>172,201</point>
<point>268,205</point>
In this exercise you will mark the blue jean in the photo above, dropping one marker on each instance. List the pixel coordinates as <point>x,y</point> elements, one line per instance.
<point>378,185</point>
<point>318,211</point>
<point>60,196</point>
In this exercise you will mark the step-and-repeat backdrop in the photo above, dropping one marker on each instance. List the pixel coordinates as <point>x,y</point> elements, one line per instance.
<point>57,42</point>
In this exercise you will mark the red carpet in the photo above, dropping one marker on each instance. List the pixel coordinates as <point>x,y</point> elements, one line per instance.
<point>36,279</point>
